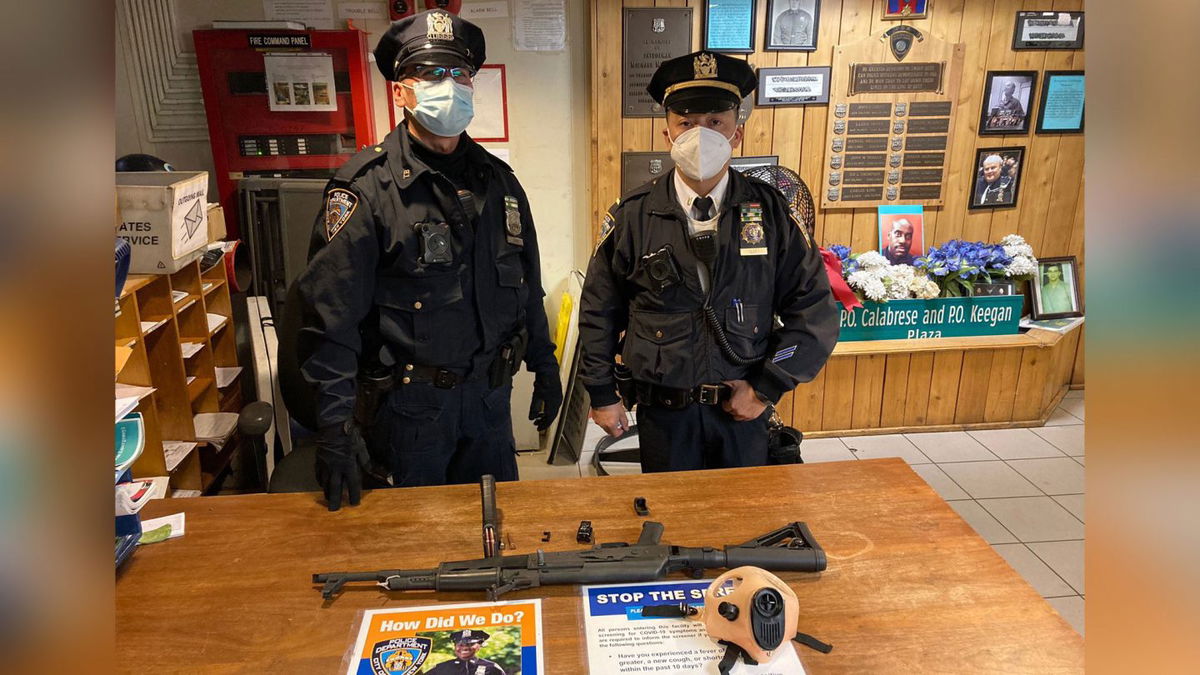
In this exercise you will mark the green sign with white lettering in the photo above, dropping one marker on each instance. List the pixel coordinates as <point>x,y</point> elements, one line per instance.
<point>940,317</point>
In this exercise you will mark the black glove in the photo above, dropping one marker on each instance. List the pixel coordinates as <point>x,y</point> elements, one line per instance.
<point>341,457</point>
<point>547,399</point>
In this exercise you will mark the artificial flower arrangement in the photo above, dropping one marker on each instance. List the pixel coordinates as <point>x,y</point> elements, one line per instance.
<point>948,271</point>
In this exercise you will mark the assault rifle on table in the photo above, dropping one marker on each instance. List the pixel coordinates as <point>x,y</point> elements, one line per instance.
<point>790,548</point>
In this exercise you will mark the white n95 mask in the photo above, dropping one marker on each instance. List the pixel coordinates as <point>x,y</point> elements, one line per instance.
<point>444,107</point>
<point>700,153</point>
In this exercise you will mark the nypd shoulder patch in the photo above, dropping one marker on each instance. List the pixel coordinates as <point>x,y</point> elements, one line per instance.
<point>339,206</point>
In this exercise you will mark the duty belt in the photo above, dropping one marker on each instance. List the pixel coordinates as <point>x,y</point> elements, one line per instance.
<point>678,399</point>
<point>438,377</point>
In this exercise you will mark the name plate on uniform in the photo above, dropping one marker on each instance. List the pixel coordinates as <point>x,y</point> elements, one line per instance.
<point>651,35</point>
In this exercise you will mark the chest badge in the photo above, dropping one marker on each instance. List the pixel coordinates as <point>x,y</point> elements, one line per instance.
<point>339,206</point>
<point>512,221</point>
<point>753,237</point>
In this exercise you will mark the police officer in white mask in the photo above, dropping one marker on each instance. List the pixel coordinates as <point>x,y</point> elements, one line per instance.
<point>693,268</point>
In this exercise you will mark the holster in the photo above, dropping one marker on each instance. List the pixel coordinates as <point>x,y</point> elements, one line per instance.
<point>373,387</point>
<point>783,442</point>
<point>508,360</point>
<point>626,387</point>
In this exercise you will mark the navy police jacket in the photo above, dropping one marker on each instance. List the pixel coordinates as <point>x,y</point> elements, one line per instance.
<point>374,275</point>
<point>766,267</point>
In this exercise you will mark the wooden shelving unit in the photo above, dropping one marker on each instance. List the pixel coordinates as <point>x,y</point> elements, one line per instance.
<point>158,314</point>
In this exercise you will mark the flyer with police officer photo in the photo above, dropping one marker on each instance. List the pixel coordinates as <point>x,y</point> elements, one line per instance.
<point>500,638</point>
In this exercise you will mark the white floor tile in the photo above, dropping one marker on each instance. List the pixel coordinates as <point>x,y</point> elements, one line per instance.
<point>533,466</point>
<point>1073,393</point>
<point>1072,503</point>
<point>1071,609</point>
<point>1034,519</point>
<point>887,445</point>
<point>1053,475</point>
<point>988,528</point>
<point>1069,439</point>
<point>1065,558</point>
<point>950,446</point>
<point>1015,443</point>
<point>1035,572</point>
<point>1073,406</point>
<point>989,479</point>
<point>1061,417</point>
<point>940,482</point>
<point>817,450</point>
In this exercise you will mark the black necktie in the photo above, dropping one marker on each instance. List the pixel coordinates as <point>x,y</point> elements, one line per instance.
<point>703,207</point>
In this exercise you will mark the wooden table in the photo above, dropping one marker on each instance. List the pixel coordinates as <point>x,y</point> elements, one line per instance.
<point>910,586</point>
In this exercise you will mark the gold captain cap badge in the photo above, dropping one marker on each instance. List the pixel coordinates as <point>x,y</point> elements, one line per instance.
<point>438,26</point>
<point>705,66</point>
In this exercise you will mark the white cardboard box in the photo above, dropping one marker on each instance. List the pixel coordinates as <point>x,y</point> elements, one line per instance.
<point>164,216</point>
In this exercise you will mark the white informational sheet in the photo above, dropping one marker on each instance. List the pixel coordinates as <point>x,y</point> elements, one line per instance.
<point>490,123</point>
<point>312,13</point>
<point>300,82</point>
<point>620,640</point>
<point>494,9</point>
<point>539,25</point>
<point>363,11</point>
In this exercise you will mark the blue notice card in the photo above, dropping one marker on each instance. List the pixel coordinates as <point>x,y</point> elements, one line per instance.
<point>1063,108</point>
<point>729,25</point>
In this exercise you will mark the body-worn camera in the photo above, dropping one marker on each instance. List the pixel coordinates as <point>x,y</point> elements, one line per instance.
<point>435,243</point>
<point>661,269</point>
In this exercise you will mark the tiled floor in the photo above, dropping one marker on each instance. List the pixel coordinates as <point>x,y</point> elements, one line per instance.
<point>1021,489</point>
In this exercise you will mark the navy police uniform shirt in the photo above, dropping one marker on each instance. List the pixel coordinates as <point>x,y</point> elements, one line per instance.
<point>766,266</point>
<point>468,667</point>
<point>377,276</point>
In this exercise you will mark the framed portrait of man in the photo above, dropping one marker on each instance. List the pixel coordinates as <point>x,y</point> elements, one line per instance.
<point>792,25</point>
<point>1007,99</point>
<point>902,233</point>
<point>997,177</point>
<point>1055,289</point>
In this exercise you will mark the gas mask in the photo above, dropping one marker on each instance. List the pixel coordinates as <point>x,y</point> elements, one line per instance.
<point>445,107</point>
<point>700,153</point>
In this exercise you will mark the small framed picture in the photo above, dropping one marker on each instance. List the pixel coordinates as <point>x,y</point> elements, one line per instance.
<point>1061,108</point>
<point>792,25</point>
<point>1055,289</point>
<point>993,289</point>
<point>1048,30</point>
<point>902,233</point>
<point>729,26</point>
<point>905,9</point>
<point>997,177</point>
<point>799,85</point>
<point>1006,102</point>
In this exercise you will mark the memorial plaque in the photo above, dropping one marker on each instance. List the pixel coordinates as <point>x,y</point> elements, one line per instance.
<point>866,144</point>
<point>870,109</point>
<point>743,163</point>
<point>651,35</point>
<point>896,78</point>
<point>924,159</point>
<point>865,160</point>
<point>925,143</point>
<point>920,192</point>
<point>863,178</point>
<point>930,109</point>
<point>934,125</point>
<point>862,194</point>
<point>922,176</point>
<point>867,127</point>
<point>642,167</point>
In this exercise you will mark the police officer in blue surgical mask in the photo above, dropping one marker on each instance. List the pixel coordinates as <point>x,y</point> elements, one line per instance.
<point>686,285</point>
<point>424,273</point>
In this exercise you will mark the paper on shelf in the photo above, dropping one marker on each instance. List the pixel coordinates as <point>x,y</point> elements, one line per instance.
<point>215,321</point>
<point>126,406</point>
<point>159,486</point>
<point>179,493</point>
<point>215,426</point>
<point>175,522</point>
<point>149,326</point>
<point>174,452</point>
<point>190,349</point>
<point>191,379</point>
<point>225,376</point>
<point>176,296</point>
<point>132,496</point>
<point>133,391</point>
<point>205,286</point>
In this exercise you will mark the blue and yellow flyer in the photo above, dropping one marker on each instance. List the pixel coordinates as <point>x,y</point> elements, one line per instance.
<point>620,640</point>
<point>498,638</point>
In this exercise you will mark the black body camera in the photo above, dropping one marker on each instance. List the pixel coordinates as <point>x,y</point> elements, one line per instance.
<point>435,243</point>
<point>661,269</point>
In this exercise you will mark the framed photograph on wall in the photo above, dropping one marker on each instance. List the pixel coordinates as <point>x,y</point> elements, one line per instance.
<point>1061,108</point>
<point>1055,289</point>
<point>1007,100</point>
<point>902,233</point>
<point>997,177</point>
<point>799,85</point>
<point>905,9</point>
<point>729,26</point>
<point>792,25</point>
<point>1048,30</point>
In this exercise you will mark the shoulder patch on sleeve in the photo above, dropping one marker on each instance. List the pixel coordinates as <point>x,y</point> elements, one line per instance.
<point>339,206</point>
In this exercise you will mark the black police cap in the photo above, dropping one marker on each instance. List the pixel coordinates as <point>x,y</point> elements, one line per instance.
<point>435,38</point>
<point>469,635</point>
<point>702,82</point>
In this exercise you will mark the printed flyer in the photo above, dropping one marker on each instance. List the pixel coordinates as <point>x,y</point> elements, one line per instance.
<point>498,638</point>
<point>620,640</point>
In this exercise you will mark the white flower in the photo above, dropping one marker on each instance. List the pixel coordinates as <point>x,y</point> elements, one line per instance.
<point>1012,240</point>
<point>1021,266</point>
<point>930,291</point>
<point>869,283</point>
<point>871,259</point>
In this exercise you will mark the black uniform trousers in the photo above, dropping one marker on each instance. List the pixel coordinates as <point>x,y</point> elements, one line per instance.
<point>435,436</point>
<point>699,437</point>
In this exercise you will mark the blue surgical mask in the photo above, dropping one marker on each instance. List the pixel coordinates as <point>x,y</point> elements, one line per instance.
<point>444,107</point>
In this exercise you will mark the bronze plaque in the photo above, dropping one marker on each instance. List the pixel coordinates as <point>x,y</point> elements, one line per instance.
<point>870,109</point>
<point>857,194</point>
<point>866,144</point>
<point>924,158</point>
<point>921,192</point>
<point>863,178</point>
<point>896,78</point>
<point>932,125</point>
<point>922,176</point>
<point>930,109</point>
<point>865,160</point>
<point>651,35</point>
<point>642,167</point>
<point>868,127</point>
<point>925,143</point>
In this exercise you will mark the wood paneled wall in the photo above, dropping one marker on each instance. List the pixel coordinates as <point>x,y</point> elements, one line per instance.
<point>1049,210</point>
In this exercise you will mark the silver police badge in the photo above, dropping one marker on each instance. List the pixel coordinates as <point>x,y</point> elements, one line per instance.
<point>656,166</point>
<point>901,109</point>
<point>897,144</point>
<point>512,220</point>
<point>897,127</point>
<point>832,195</point>
<point>839,144</point>
<point>835,162</point>
<point>895,159</point>
<point>892,191</point>
<point>658,25</point>
<point>839,126</point>
<point>835,177</point>
<point>339,206</point>
<point>438,26</point>
<point>839,110</point>
<point>894,176</point>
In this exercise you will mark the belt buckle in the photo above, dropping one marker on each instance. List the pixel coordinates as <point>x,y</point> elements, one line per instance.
<point>710,394</point>
<point>444,379</point>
